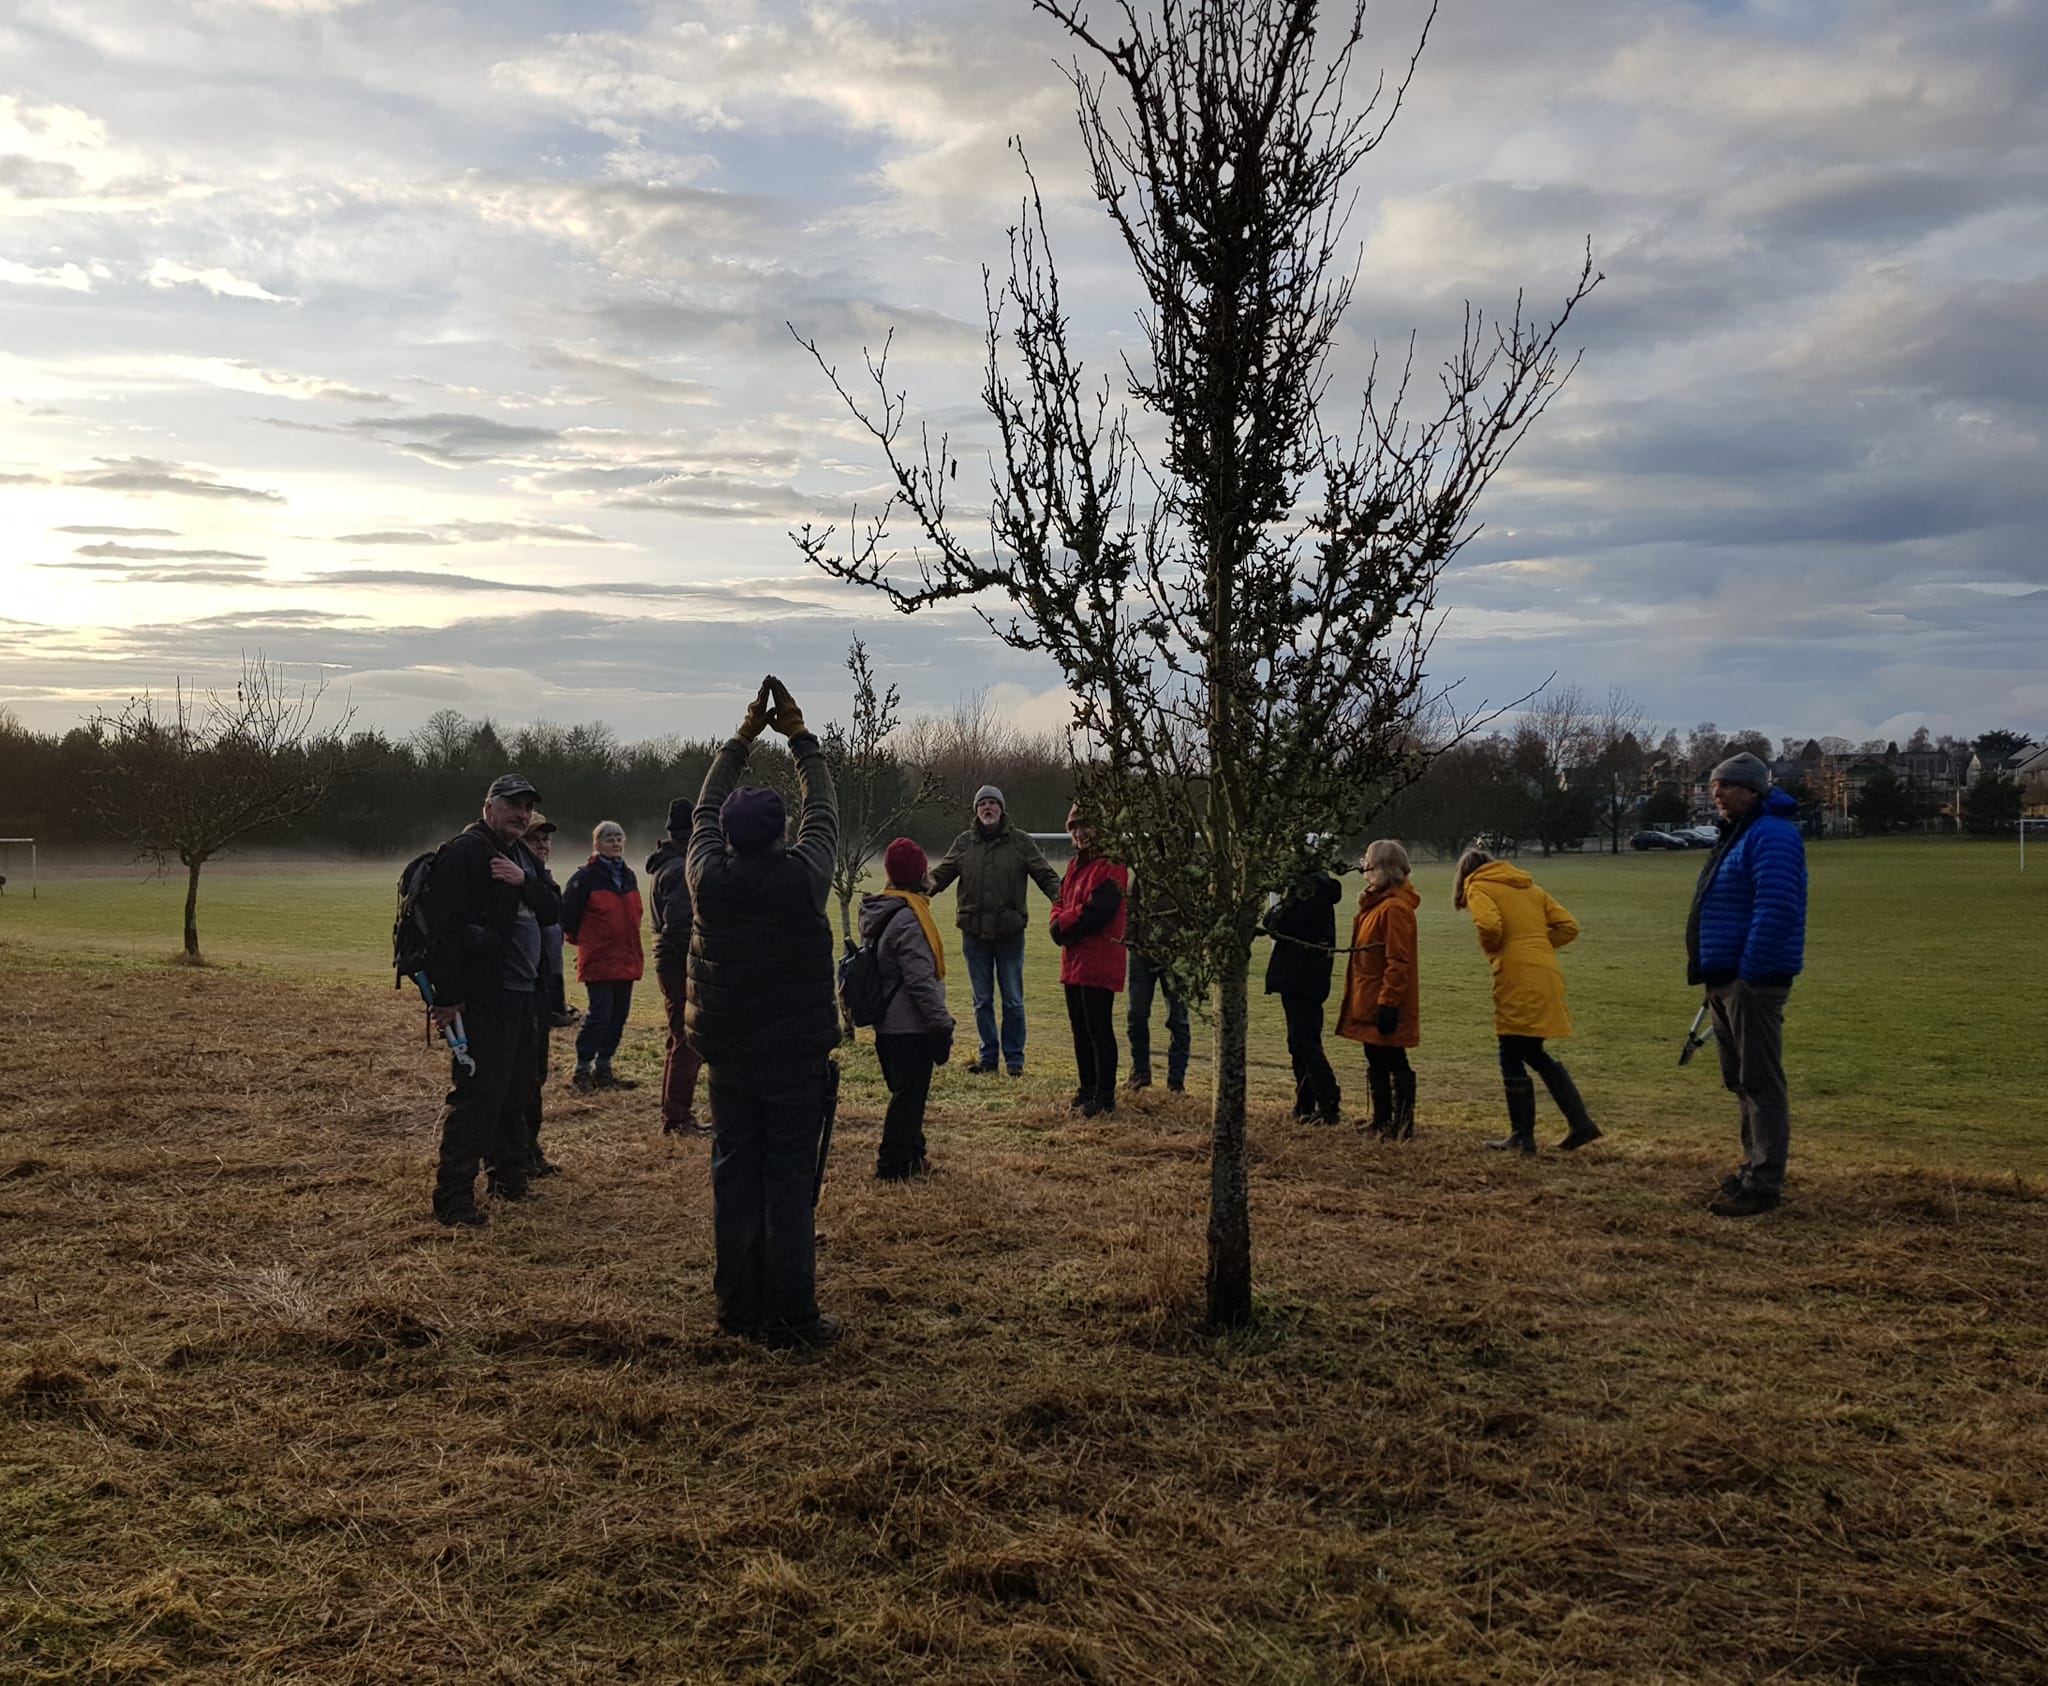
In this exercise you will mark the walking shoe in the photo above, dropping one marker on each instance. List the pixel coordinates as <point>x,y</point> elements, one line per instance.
<point>1745,1202</point>
<point>539,1166</point>
<point>462,1217</point>
<point>975,1068</point>
<point>1731,1185</point>
<point>783,1338</point>
<point>1175,1087</point>
<point>1016,1071</point>
<point>605,1078</point>
<point>1138,1080</point>
<point>583,1081</point>
<point>500,1189</point>
<point>565,1018</point>
<point>688,1127</point>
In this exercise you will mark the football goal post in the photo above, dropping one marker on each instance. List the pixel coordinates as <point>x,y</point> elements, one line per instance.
<point>30,842</point>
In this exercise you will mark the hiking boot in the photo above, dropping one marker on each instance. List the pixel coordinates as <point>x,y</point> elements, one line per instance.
<point>462,1217</point>
<point>1745,1202</point>
<point>504,1188</point>
<point>584,1081</point>
<point>539,1166</point>
<point>1176,1086</point>
<point>605,1078</point>
<point>979,1068</point>
<point>1521,1136</point>
<point>1731,1185</point>
<point>1138,1080</point>
<point>565,1018</point>
<point>1016,1071</point>
<point>1105,1099</point>
<point>688,1127</point>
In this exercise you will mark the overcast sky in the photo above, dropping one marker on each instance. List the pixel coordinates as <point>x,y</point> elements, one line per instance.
<point>440,347</point>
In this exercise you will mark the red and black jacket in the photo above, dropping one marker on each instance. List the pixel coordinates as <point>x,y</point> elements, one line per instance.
<point>603,923</point>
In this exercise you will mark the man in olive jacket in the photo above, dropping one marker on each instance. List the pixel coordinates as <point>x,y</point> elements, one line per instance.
<point>762,1013</point>
<point>486,906</point>
<point>995,866</point>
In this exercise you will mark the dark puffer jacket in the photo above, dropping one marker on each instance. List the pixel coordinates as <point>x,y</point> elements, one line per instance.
<point>1307,914</point>
<point>470,915</point>
<point>668,886</point>
<point>1749,910</point>
<point>761,981</point>
<point>996,870</point>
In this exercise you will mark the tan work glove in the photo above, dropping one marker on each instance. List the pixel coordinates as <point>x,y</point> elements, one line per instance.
<point>785,716</point>
<point>758,716</point>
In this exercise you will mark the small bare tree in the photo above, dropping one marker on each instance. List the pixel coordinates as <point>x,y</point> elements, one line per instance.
<point>877,792</point>
<point>187,779</point>
<point>1243,623</point>
<point>1621,759</point>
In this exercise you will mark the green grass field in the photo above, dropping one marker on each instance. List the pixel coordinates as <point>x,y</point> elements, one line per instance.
<point>1913,1036</point>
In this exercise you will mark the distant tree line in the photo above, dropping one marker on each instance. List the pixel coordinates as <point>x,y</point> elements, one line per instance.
<point>391,796</point>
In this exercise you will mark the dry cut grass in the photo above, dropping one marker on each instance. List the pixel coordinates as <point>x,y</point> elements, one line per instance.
<point>261,1421</point>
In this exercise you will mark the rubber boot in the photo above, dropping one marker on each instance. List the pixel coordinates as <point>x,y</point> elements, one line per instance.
<point>1521,1136</point>
<point>1330,1109</point>
<point>1403,1127</point>
<point>1381,1083</point>
<point>1569,1102</point>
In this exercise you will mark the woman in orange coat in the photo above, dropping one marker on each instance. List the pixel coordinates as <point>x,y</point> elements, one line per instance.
<point>1521,929</point>
<point>1382,991</point>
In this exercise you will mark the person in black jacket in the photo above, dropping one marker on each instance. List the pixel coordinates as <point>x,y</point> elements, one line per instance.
<point>539,843</point>
<point>1304,930</point>
<point>668,882</point>
<point>486,904</point>
<point>763,1015</point>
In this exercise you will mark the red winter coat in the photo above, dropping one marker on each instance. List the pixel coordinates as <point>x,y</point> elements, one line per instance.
<point>604,924</point>
<point>1088,922</point>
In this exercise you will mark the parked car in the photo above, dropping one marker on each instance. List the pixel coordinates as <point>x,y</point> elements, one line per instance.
<point>1701,836</point>
<point>1646,840</point>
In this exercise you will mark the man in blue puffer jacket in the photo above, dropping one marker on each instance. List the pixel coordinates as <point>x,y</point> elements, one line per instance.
<point>1745,942</point>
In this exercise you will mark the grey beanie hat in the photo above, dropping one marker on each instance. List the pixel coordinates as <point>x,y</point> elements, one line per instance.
<point>989,793</point>
<point>1744,769</point>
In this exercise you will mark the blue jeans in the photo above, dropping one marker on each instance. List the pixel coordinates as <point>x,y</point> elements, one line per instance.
<point>605,1023</point>
<point>991,965</point>
<point>1138,1023</point>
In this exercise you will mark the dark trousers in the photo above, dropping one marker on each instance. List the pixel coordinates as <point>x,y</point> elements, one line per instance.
<point>1138,1023</point>
<point>1315,1084</point>
<point>488,1115</point>
<point>765,1118</point>
<point>679,1070</point>
<point>907,1069</point>
<point>541,1040</point>
<point>1091,1011</point>
<point>1749,1026</point>
<point>598,1038</point>
<point>1520,1055</point>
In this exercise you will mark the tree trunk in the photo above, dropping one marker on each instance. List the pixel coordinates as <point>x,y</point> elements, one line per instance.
<point>192,909</point>
<point>1230,1217</point>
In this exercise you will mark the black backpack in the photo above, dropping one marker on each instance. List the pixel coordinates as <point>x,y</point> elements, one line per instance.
<point>861,990</point>
<point>409,929</point>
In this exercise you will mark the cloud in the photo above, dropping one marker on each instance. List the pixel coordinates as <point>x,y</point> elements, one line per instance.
<point>454,438</point>
<point>482,532</point>
<point>143,553</point>
<point>67,277</point>
<point>148,474</point>
<point>220,282</point>
<point>120,532</point>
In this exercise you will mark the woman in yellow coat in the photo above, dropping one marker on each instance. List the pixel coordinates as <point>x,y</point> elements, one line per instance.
<point>1521,929</point>
<point>1382,992</point>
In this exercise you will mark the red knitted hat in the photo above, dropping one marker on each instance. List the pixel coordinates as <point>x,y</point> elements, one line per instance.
<point>905,864</point>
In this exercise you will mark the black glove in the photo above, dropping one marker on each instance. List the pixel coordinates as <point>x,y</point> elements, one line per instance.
<point>942,1047</point>
<point>1058,937</point>
<point>1388,1019</point>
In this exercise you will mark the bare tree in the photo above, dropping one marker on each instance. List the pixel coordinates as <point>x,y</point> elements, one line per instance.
<point>1243,623</point>
<point>1561,723</point>
<point>1617,734</point>
<point>187,779</point>
<point>878,793</point>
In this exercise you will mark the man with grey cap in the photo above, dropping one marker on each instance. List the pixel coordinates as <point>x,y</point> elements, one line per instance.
<point>995,865</point>
<point>1745,942</point>
<point>762,1014</point>
<point>487,902</point>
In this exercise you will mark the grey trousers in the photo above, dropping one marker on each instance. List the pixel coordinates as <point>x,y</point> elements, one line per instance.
<point>1749,1026</point>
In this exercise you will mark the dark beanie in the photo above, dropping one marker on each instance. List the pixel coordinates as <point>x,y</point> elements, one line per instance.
<point>905,863</point>
<point>1746,770</point>
<point>752,818</point>
<point>679,812</point>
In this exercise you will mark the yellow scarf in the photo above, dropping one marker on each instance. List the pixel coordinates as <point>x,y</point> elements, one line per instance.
<point>922,907</point>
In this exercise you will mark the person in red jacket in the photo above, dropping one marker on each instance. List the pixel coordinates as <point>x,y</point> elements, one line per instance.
<point>601,916</point>
<point>1088,924</point>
